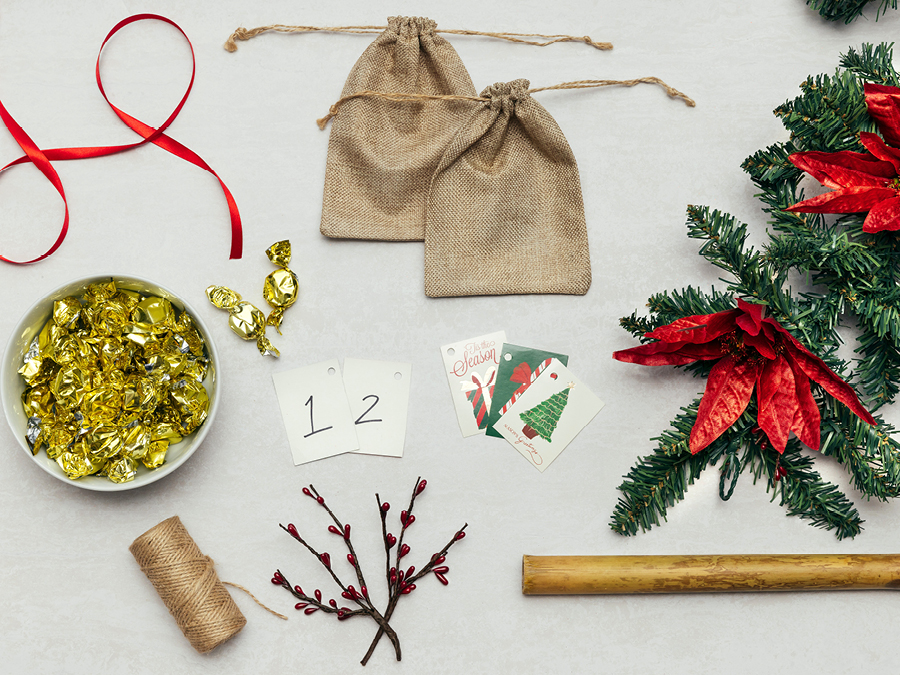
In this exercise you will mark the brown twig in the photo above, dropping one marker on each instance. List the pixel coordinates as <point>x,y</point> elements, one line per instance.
<point>397,584</point>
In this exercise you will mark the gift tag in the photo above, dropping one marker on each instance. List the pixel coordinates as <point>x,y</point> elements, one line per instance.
<point>378,392</point>
<point>315,411</point>
<point>519,368</point>
<point>471,367</point>
<point>545,419</point>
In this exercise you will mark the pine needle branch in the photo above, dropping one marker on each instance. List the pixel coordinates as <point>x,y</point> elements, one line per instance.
<point>661,479</point>
<point>870,453</point>
<point>802,490</point>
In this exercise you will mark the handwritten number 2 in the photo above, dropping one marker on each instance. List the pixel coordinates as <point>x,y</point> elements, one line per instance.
<point>312,425</point>
<point>360,420</point>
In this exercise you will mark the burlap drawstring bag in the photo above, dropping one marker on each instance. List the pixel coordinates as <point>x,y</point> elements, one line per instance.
<point>382,153</point>
<point>505,213</point>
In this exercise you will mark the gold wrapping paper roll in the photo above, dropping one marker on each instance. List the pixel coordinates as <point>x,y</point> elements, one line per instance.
<point>583,575</point>
<point>188,585</point>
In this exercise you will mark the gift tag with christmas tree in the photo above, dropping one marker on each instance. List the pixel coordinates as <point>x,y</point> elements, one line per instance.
<point>471,367</point>
<point>548,416</point>
<point>519,368</point>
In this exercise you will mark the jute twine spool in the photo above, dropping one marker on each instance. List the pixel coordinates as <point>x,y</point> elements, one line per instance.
<point>188,585</point>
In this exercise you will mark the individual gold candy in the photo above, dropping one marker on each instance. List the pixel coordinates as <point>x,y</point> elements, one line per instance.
<point>34,433</point>
<point>104,441</point>
<point>156,454</point>
<point>66,311</point>
<point>77,465</point>
<point>245,320</point>
<point>192,402</point>
<point>281,287</point>
<point>58,440</point>
<point>112,379</point>
<point>157,312</point>
<point>121,470</point>
<point>136,440</point>
<point>33,362</point>
<point>165,431</point>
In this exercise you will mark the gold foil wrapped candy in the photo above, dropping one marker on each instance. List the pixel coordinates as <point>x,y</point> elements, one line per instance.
<point>246,320</point>
<point>281,287</point>
<point>112,380</point>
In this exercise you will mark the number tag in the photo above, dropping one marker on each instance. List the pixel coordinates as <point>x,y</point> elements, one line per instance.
<point>378,392</point>
<point>316,415</point>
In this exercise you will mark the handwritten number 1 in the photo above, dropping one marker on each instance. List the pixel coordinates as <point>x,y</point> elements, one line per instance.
<point>360,420</point>
<point>312,425</point>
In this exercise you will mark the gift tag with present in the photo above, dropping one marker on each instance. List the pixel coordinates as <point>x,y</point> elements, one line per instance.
<point>378,392</point>
<point>315,411</point>
<point>548,416</point>
<point>471,367</point>
<point>519,368</point>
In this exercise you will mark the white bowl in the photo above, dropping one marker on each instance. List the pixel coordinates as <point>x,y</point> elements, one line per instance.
<point>12,385</point>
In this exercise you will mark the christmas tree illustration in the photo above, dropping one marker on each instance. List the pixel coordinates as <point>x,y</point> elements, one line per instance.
<point>543,418</point>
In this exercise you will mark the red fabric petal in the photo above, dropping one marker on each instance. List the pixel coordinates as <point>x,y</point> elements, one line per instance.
<point>777,401</point>
<point>762,343</point>
<point>845,200</point>
<point>816,370</point>
<point>876,145</point>
<point>807,420</point>
<point>668,353</point>
<point>751,318</point>
<point>884,216</point>
<point>521,374</point>
<point>697,328</point>
<point>882,102</point>
<point>728,391</point>
<point>844,168</point>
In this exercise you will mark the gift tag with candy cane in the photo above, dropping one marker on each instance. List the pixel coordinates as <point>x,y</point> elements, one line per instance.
<point>519,368</point>
<point>548,416</point>
<point>315,411</point>
<point>471,367</point>
<point>378,392</point>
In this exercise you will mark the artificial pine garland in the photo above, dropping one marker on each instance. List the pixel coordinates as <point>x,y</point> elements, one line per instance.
<point>854,274</point>
<point>848,10</point>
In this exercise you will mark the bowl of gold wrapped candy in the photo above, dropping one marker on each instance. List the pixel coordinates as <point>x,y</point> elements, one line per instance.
<point>110,382</point>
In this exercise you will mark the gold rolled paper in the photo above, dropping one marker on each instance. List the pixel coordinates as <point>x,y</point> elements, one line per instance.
<point>588,575</point>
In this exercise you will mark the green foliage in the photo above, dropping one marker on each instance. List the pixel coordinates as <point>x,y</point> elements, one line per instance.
<point>849,274</point>
<point>848,10</point>
<point>802,490</point>
<point>661,479</point>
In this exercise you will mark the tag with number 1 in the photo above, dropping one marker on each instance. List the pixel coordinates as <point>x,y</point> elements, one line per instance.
<point>315,411</point>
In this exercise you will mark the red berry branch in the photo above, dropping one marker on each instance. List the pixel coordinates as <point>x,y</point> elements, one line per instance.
<point>400,583</point>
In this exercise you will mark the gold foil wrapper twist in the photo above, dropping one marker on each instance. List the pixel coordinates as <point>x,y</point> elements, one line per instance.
<point>281,287</point>
<point>245,320</point>
<point>112,379</point>
<point>188,585</point>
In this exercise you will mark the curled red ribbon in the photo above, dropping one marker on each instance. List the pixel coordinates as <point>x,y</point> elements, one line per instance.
<point>42,158</point>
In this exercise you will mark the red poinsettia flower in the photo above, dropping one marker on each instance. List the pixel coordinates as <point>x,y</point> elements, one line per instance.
<point>752,352</point>
<point>863,181</point>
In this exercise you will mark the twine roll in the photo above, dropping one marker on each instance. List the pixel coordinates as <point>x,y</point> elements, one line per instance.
<point>188,585</point>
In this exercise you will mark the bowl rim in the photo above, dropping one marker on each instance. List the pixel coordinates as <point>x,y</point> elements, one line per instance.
<point>101,484</point>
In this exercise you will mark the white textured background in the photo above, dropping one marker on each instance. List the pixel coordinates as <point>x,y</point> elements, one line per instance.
<point>72,598</point>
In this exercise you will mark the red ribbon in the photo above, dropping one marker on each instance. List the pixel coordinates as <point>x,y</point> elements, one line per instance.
<point>41,158</point>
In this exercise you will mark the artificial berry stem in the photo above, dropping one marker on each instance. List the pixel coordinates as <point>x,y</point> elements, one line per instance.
<point>399,582</point>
